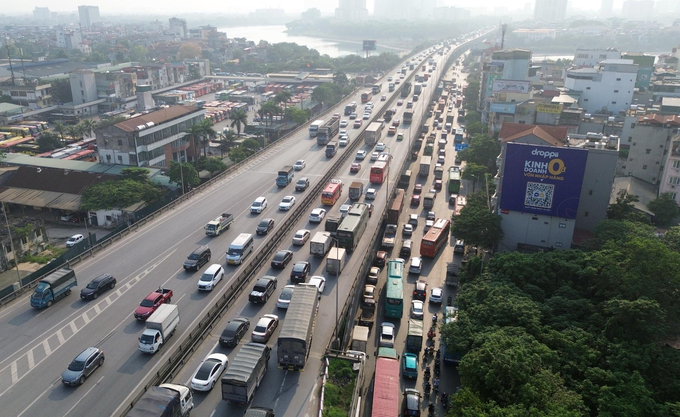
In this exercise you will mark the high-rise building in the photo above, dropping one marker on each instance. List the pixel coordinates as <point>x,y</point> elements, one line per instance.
<point>550,10</point>
<point>178,27</point>
<point>606,8</point>
<point>637,9</point>
<point>352,10</point>
<point>89,15</point>
<point>69,39</point>
<point>41,14</point>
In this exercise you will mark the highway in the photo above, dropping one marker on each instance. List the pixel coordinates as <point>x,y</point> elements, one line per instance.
<point>37,345</point>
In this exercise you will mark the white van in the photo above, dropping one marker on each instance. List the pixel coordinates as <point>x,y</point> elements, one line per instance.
<point>240,248</point>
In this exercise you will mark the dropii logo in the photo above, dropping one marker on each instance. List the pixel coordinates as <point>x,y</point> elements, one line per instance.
<point>555,166</point>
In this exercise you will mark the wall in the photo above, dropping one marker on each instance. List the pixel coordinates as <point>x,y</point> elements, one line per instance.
<point>597,185</point>
<point>648,152</point>
<point>538,230</point>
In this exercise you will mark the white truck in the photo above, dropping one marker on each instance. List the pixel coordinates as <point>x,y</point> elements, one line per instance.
<point>220,224</point>
<point>164,400</point>
<point>389,236</point>
<point>320,244</point>
<point>336,260</point>
<point>159,328</point>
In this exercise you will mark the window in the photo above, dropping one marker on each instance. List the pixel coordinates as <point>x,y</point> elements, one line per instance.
<point>630,138</point>
<point>676,163</point>
<point>616,91</point>
<point>674,195</point>
<point>585,99</point>
<point>613,102</point>
<point>120,142</point>
<point>590,192</point>
<point>674,180</point>
<point>648,151</point>
<point>587,88</point>
<point>618,79</point>
<point>558,244</point>
<point>120,159</point>
<point>585,214</point>
<point>632,125</point>
<point>644,167</point>
<point>108,157</point>
<point>634,143</point>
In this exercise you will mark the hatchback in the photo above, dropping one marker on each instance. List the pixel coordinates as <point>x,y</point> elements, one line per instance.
<point>361,154</point>
<point>415,266</point>
<point>417,310</point>
<point>98,286</point>
<point>83,366</point>
<point>409,367</point>
<point>387,332</point>
<point>420,291</point>
<point>436,295</point>
<point>234,332</point>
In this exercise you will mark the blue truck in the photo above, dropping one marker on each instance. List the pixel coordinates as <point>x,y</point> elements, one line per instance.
<point>331,149</point>
<point>53,287</point>
<point>285,176</point>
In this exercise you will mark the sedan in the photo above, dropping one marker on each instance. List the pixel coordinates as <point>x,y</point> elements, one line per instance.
<point>387,333</point>
<point>366,116</point>
<point>409,368</point>
<point>436,295</point>
<point>317,215</point>
<point>343,132</point>
<point>319,282</point>
<point>73,240</point>
<point>299,165</point>
<point>408,230</point>
<point>355,168</point>
<point>375,156</point>
<point>264,226</point>
<point>417,309</point>
<point>415,266</point>
<point>357,123</point>
<point>234,332</point>
<point>343,123</point>
<point>287,202</point>
<point>383,98</point>
<point>83,366</point>
<point>352,116</point>
<point>400,102</point>
<point>380,147</point>
<point>369,294</point>
<point>98,286</point>
<point>396,123</point>
<point>301,237</point>
<point>265,328</point>
<point>428,224</point>
<point>282,258</point>
<point>300,271</point>
<point>286,295</point>
<point>415,200</point>
<point>417,189</point>
<point>373,275</point>
<point>361,155</point>
<point>209,372</point>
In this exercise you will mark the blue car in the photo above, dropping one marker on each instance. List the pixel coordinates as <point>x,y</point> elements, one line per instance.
<point>409,366</point>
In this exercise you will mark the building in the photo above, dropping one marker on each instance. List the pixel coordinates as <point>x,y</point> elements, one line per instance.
<point>178,27</point>
<point>71,39</point>
<point>533,35</point>
<point>550,10</point>
<point>650,140</point>
<point>352,10</point>
<point>606,8</point>
<point>34,95</point>
<point>593,57</point>
<point>506,64</point>
<point>550,185</point>
<point>42,14</point>
<point>83,86</point>
<point>154,139</point>
<point>311,15</point>
<point>608,88</point>
<point>637,9</point>
<point>645,65</point>
<point>89,15</point>
<point>670,182</point>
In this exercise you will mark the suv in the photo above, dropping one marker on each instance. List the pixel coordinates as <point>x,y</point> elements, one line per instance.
<point>198,258</point>
<point>83,366</point>
<point>302,184</point>
<point>98,286</point>
<point>211,277</point>
<point>259,205</point>
<point>300,271</point>
<point>263,289</point>
<point>420,292</point>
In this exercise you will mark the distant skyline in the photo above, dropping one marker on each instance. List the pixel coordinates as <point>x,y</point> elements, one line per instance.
<point>210,6</point>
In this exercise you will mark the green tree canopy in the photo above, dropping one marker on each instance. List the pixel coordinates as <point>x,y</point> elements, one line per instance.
<point>185,171</point>
<point>135,174</point>
<point>297,115</point>
<point>623,209</point>
<point>48,141</point>
<point>119,194</point>
<point>212,164</point>
<point>665,209</point>
<point>483,150</point>
<point>476,224</point>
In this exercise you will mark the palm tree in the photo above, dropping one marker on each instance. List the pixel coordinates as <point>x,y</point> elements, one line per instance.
<point>239,119</point>
<point>60,128</point>
<point>227,141</point>
<point>282,97</point>
<point>88,125</point>
<point>208,132</point>
<point>194,132</point>
<point>74,131</point>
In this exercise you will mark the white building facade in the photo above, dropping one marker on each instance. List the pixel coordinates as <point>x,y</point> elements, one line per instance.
<point>607,88</point>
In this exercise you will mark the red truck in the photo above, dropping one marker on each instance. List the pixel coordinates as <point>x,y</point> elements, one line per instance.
<point>151,302</point>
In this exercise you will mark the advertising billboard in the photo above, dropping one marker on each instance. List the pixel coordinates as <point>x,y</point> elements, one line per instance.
<point>502,108</point>
<point>369,45</point>
<point>511,86</point>
<point>549,108</point>
<point>542,179</point>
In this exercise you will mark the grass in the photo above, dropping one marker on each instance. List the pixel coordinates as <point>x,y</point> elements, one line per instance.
<point>45,256</point>
<point>339,388</point>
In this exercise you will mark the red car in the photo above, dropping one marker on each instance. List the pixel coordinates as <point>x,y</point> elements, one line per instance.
<point>356,167</point>
<point>151,303</point>
<point>395,122</point>
<point>415,200</point>
<point>438,185</point>
<point>417,189</point>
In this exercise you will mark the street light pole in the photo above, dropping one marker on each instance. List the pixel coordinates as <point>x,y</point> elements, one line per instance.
<point>11,243</point>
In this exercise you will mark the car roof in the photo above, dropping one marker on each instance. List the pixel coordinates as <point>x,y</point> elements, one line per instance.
<point>86,354</point>
<point>200,249</point>
<point>212,268</point>
<point>102,277</point>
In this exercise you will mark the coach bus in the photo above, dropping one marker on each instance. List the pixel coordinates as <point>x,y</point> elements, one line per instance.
<point>331,193</point>
<point>435,238</point>
<point>394,302</point>
<point>454,180</point>
<point>379,172</point>
<point>366,96</point>
<point>353,226</point>
<point>17,130</point>
<point>386,391</point>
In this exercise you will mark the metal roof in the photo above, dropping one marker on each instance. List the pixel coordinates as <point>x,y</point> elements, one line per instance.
<point>241,367</point>
<point>300,313</point>
<point>38,198</point>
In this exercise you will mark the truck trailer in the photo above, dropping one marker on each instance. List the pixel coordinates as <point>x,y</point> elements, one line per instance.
<point>295,339</point>
<point>245,373</point>
<point>327,131</point>
<point>336,261</point>
<point>165,400</point>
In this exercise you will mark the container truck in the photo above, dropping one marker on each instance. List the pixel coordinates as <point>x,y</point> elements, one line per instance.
<point>356,190</point>
<point>373,133</point>
<point>414,338</point>
<point>320,244</point>
<point>428,201</point>
<point>408,117</point>
<point>314,128</point>
<point>388,115</point>
<point>331,148</point>
<point>295,339</point>
<point>425,162</point>
<point>159,328</point>
<point>397,204</point>
<point>53,287</point>
<point>405,89</point>
<point>245,373</point>
<point>335,262</point>
<point>449,118</point>
<point>327,131</point>
<point>285,176</point>
<point>165,400</point>
<point>220,224</point>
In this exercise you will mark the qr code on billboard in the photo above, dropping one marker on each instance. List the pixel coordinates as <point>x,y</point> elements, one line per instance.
<point>539,195</point>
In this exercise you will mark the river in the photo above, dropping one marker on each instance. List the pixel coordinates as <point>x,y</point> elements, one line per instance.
<point>276,34</point>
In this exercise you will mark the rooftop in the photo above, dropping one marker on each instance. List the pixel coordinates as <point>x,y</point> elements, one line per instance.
<point>658,119</point>
<point>19,159</point>
<point>157,117</point>
<point>554,135</point>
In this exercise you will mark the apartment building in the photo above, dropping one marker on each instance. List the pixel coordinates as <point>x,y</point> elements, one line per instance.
<point>650,140</point>
<point>593,57</point>
<point>607,88</point>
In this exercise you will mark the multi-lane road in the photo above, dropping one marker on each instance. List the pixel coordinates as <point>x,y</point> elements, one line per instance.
<point>37,345</point>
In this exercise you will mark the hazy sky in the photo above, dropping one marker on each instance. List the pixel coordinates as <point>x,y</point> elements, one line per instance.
<point>221,6</point>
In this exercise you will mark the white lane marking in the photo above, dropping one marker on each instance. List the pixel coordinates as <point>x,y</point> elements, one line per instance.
<point>278,396</point>
<point>60,336</point>
<point>15,372</point>
<point>46,346</point>
<point>83,397</point>
<point>31,360</point>
<point>73,327</point>
<point>97,309</point>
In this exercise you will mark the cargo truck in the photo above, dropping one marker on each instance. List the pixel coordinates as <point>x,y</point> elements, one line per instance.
<point>408,117</point>
<point>285,176</point>
<point>405,89</point>
<point>356,190</point>
<point>373,133</point>
<point>425,162</point>
<point>439,172</point>
<point>414,338</point>
<point>331,149</point>
<point>388,115</point>
<point>165,400</point>
<point>159,328</point>
<point>389,236</point>
<point>417,89</point>
<point>295,340</point>
<point>350,108</point>
<point>376,88</point>
<point>245,373</point>
<point>360,338</point>
<point>428,201</point>
<point>320,244</point>
<point>391,87</point>
<point>332,223</point>
<point>220,224</point>
<point>449,118</point>
<point>335,262</point>
<point>327,131</point>
<point>395,208</point>
<point>53,287</point>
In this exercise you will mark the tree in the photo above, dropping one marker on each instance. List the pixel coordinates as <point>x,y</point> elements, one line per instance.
<point>207,132</point>
<point>623,209</point>
<point>75,132</point>
<point>189,50</point>
<point>665,209</point>
<point>60,128</point>
<point>47,142</point>
<point>239,120</point>
<point>483,150</point>
<point>194,133</point>
<point>476,224</point>
<point>672,238</point>
<point>138,53</point>
<point>297,115</point>
<point>476,128</point>
<point>212,164</point>
<point>340,78</point>
<point>185,171</point>
<point>61,91</point>
<point>326,94</point>
<point>119,194</point>
<point>282,97</point>
<point>87,126</point>
<point>227,141</point>
<point>475,173</point>
<point>135,174</point>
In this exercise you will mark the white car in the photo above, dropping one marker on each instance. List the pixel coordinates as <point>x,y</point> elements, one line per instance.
<point>344,209</point>
<point>415,266</point>
<point>209,372</point>
<point>319,282</point>
<point>301,237</point>
<point>265,328</point>
<point>370,194</point>
<point>436,295</point>
<point>317,215</point>
<point>417,309</point>
<point>299,165</point>
<point>259,205</point>
<point>286,295</point>
<point>387,334</point>
<point>361,155</point>
<point>408,230</point>
<point>367,116</point>
<point>380,147</point>
<point>287,202</point>
<point>343,123</point>
<point>374,156</point>
<point>428,224</point>
<point>343,132</point>
<point>211,277</point>
<point>73,240</point>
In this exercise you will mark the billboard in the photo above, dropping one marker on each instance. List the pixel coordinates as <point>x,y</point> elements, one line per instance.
<point>542,179</point>
<point>502,108</point>
<point>549,108</point>
<point>511,86</point>
<point>369,45</point>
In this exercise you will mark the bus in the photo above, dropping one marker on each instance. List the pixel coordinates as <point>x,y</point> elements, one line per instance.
<point>394,304</point>
<point>386,391</point>
<point>454,180</point>
<point>379,172</point>
<point>331,193</point>
<point>16,130</point>
<point>41,126</point>
<point>85,155</point>
<point>450,316</point>
<point>435,238</point>
<point>458,136</point>
<point>366,96</point>
<point>353,226</point>
<point>314,128</point>
<point>350,108</point>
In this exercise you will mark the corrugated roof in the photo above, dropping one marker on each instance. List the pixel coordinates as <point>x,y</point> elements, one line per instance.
<point>111,169</point>
<point>242,365</point>
<point>156,117</point>
<point>57,180</point>
<point>658,119</point>
<point>38,198</point>
<point>554,135</point>
<point>300,312</point>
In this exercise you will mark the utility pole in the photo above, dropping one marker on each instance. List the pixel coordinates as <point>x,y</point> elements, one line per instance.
<point>9,58</point>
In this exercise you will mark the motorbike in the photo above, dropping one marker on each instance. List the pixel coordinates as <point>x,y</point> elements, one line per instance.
<point>438,354</point>
<point>430,410</point>
<point>435,385</point>
<point>432,333</point>
<point>427,388</point>
<point>434,320</point>
<point>437,370</point>
<point>445,400</point>
<point>449,301</point>
<point>427,373</point>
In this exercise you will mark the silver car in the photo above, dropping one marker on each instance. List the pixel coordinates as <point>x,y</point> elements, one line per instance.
<point>83,366</point>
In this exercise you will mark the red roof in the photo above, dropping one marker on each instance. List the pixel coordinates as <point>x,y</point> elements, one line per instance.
<point>658,119</point>
<point>554,135</point>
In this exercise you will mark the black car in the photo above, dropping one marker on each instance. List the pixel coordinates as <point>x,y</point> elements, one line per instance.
<point>302,184</point>
<point>282,258</point>
<point>300,271</point>
<point>198,258</point>
<point>233,333</point>
<point>263,289</point>
<point>98,286</point>
<point>265,226</point>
